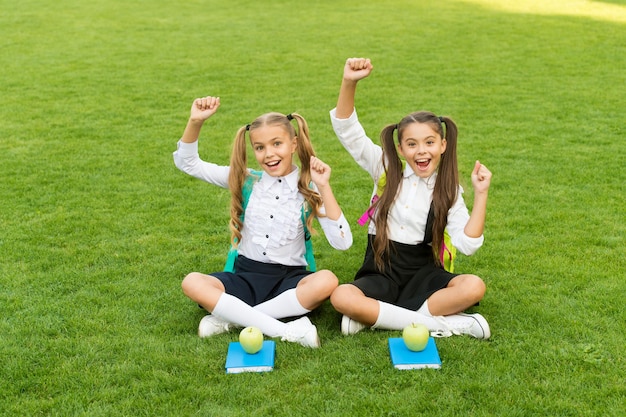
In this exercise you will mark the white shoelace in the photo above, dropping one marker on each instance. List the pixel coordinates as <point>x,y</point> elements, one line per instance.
<point>447,329</point>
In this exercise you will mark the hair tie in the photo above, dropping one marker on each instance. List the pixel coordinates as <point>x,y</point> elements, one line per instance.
<point>441,119</point>
<point>289,116</point>
<point>395,127</point>
<point>247,127</point>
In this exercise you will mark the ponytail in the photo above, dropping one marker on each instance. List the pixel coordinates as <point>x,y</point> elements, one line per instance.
<point>392,166</point>
<point>305,152</point>
<point>236,178</point>
<point>446,188</point>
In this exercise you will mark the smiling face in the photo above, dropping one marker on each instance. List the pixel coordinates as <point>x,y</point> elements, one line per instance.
<point>273,148</point>
<point>422,148</point>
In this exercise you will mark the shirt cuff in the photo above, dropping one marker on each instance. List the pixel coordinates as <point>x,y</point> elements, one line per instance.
<point>343,123</point>
<point>337,232</point>
<point>470,245</point>
<point>187,149</point>
<point>349,131</point>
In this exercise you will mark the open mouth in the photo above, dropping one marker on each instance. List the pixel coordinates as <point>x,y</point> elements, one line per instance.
<point>272,164</point>
<point>422,164</point>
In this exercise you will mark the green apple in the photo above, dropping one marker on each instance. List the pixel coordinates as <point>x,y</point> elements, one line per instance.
<point>251,339</point>
<point>415,336</point>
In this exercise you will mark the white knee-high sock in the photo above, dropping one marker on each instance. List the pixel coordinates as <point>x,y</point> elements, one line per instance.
<point>424,309</point>
<point>392,317</point>
<point>233,310</point>
<point>283,305</point>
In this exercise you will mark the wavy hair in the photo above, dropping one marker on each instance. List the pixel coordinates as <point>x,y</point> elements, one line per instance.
<point>239,167</point>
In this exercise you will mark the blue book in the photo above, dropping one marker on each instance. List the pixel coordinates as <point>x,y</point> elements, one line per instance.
<point>403,358</point>
<point>237,360</point>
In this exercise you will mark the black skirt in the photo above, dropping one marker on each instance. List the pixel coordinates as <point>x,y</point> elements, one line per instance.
<point>409,278</point>
<point>255,282</point>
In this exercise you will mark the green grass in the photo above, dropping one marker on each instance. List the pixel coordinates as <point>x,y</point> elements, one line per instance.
<point>99,227</point>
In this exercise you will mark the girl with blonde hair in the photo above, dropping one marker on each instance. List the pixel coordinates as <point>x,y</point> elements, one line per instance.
<point>271,213</point>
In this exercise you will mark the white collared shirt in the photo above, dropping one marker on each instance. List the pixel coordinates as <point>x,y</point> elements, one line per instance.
<point>273,231</point>
<point>409,213</point>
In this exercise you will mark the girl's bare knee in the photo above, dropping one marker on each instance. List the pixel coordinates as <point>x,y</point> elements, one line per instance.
<point>190,282</point>
<point>321,282</point>
<point>475,287</point>
<point>330,281</point>
<point>342,297</point>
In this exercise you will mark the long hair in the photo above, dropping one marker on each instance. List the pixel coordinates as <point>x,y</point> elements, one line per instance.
<point>446,184</point>
<point>239,167</point>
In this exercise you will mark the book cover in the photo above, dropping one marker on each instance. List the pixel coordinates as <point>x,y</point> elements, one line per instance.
<point>237,360</point>
<point>403,358</point>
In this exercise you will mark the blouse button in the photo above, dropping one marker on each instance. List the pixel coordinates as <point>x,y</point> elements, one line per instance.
<point>267,236</point>
<point>271,216</point>
<point>277,197</point>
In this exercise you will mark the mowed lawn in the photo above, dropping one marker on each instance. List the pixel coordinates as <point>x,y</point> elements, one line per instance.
<point>99,227</point>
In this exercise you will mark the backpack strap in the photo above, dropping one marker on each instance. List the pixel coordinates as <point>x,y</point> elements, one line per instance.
<point>246,192</point>
<point>447,253</point>
<point>308,255</point>
<point>380,187</point>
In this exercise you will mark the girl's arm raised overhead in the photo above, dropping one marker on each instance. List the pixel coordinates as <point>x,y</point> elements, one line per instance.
<point>355,69</point>
<point>481,180</point>
<point>201,110</point>
<point>345,122</point>
<point>186,156</point>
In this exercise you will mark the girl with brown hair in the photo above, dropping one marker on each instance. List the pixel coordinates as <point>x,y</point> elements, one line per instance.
<point>402,280</point>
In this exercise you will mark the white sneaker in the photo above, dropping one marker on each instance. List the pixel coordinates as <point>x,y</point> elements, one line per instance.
<point>349,326</point>
<point>302,331</point>
<point>473,325</point>
<point>211,325</point>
